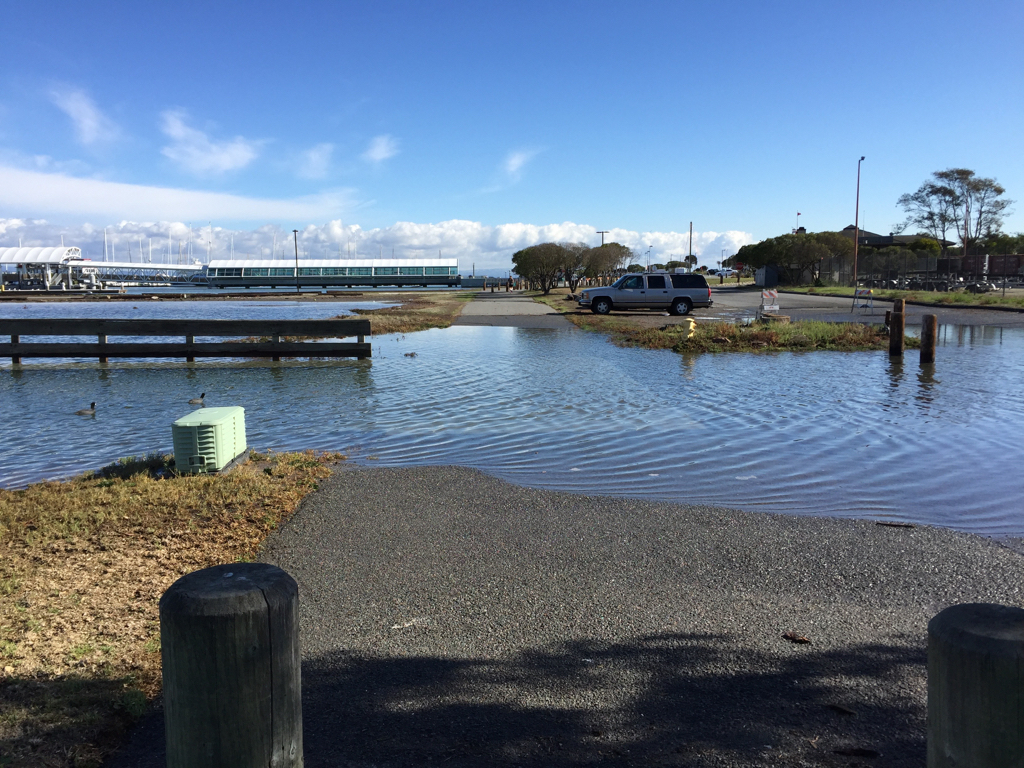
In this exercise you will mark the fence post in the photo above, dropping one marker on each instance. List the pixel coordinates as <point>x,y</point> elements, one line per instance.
<point>976,686</point>
<point>231,676</point>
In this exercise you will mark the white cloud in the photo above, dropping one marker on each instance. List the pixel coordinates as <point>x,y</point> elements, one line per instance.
<point>381,148</point>
<point>34,194</point>
<point>91,125</point>
<point>489,248</point>
<point>197,153</point>
<point>516,161</point>
<point>314,162</point>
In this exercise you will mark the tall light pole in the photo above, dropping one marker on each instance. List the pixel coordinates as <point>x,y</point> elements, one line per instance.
<point>856,231</point>
<point>602,233</point>
<point>295,233</point>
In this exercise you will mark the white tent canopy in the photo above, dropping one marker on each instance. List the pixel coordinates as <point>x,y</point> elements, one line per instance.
<point>38,255</point>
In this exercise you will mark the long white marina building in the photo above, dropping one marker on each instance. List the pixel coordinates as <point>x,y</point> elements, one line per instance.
<point>274,273</point>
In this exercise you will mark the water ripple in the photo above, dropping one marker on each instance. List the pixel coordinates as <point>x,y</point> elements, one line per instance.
<point>851,434</point>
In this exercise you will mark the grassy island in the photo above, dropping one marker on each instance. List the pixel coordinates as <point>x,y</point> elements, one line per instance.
<point>655,331</point>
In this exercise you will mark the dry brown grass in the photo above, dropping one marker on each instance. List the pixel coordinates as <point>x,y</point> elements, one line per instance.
<point>418,311</point>
<point>83,564</point>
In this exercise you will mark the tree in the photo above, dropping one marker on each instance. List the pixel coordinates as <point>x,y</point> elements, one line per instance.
<point>574,262</point>
<point>1001,243</point>
<point>540,264</point>
<point>607,259</point>
<point>957,199</point>
<point>796,253</point>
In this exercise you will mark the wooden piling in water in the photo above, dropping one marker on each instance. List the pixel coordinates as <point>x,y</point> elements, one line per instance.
<point>231,675</point>
<point>897,328</point>
<point>15,340</point>
<point>929,338</point>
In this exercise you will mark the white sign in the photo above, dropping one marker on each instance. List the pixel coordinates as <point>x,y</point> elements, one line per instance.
<point>90,271</point>
<point>770,308</point>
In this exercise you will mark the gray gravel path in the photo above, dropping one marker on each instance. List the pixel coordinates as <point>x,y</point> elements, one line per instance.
<point>451,618</point>
<point>510,310</point>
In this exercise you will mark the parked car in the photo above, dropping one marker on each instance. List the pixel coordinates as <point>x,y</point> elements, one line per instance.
<point>678,293</point>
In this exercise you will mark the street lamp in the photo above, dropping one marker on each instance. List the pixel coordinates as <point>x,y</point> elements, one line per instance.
<point>856,231</point>
<point>602,233</point>
<point>295,233</point>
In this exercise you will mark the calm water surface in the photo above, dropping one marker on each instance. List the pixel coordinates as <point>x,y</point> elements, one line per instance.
<point>850,434</point>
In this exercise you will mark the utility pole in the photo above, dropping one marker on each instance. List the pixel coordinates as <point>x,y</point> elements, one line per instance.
<point>295,233</point>
<point>689,258</point>
<point>602,233</point>
<point>856,232</point>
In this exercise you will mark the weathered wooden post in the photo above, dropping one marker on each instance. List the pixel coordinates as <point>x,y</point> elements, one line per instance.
<point>929,338</point>
<point>15,359</point>
<point>277,340</point>
<point>190,340</point>
<point>232,681</point>
<point>976,687</point>
<point>897,328</point>
<point>102,338</point>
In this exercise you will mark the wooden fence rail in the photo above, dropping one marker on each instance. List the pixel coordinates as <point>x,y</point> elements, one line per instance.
<point>275,330</point>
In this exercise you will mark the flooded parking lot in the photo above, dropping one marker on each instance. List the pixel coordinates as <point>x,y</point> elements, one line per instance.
<point>850,434</point>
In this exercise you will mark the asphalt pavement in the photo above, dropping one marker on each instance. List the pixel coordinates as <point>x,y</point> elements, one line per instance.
<point>732,303</point>
<point>450,618</point>
<point>509,310</point>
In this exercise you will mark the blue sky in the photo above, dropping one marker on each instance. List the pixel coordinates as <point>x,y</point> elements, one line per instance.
<point>476,128</point>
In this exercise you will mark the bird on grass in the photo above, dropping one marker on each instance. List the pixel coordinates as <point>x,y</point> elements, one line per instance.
<point>90,411</point>
<point>197,400</point>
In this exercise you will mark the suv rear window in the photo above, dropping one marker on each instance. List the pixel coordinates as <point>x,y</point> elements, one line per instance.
<point>655,281</point>
<point>689,281</point>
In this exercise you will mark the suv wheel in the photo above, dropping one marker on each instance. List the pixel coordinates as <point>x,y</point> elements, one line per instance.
<point>601,306</point>
<point>681,307</point>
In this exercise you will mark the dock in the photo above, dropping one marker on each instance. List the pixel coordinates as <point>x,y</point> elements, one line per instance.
<point>273,339</point>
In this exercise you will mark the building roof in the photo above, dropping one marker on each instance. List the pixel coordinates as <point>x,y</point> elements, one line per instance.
<point>39,255</point>
<point>874,239</point>
<point>286,263</point>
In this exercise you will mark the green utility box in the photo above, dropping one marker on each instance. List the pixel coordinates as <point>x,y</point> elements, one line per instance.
<point>209,439</point>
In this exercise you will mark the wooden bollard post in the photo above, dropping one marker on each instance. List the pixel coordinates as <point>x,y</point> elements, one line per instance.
<point>190,340</point>
<point>929,338</point>
<point>897,328</point>
<point>976,686</point>
<point>231,676</point>
<point>103,340</point>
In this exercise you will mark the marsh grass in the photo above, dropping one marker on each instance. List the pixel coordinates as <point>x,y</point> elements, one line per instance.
<point>83,564</point>
<point>416,312</point>
<point>420,312</point>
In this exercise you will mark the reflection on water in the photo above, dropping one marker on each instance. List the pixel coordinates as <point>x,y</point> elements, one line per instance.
<point>809,433</point>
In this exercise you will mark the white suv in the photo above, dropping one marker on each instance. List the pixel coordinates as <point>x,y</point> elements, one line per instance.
<point>678,293</point>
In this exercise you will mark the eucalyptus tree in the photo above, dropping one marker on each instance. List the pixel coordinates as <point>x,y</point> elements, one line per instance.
<point>957,200</point>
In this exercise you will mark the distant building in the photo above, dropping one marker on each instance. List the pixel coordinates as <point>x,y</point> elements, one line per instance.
<point>873,240</point>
